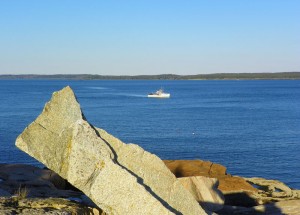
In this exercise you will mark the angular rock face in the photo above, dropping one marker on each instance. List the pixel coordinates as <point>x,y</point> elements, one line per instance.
<point>119,178</point>
<point>205,191</point>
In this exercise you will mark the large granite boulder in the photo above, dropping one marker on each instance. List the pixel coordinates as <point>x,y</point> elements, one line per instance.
<point>119,178</point>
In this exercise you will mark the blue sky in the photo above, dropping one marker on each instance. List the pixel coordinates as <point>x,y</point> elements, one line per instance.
<point>149,37</point>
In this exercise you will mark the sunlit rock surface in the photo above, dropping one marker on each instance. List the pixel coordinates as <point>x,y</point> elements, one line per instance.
<point>205,190</point>
<point>272,191</point>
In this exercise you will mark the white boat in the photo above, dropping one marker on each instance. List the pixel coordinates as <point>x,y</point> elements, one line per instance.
<point>159,94</point>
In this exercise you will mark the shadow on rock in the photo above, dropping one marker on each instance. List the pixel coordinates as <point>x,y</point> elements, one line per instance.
<point>30,181</point>
<point>240,199</point>
<point>271,209</point>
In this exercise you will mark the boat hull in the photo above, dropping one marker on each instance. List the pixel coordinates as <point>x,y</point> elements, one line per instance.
<point>162,96</point>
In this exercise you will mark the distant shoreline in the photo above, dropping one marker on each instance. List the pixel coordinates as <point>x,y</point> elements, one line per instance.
<point>216,76</point>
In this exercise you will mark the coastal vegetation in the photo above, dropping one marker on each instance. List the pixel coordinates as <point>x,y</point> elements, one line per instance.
<point>215,76</point>
<point>22,193</point>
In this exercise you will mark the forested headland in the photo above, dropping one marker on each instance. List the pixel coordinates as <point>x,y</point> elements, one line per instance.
<point>216,76</point>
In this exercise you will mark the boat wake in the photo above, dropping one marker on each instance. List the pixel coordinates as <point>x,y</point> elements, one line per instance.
<point>98,88</point>
<point>113,93</point>
<point>130,95</point>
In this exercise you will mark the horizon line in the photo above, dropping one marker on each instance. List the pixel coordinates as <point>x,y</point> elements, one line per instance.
<point>169,74</point>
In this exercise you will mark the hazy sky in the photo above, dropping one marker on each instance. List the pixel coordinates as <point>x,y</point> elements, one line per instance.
<point>148,36</point>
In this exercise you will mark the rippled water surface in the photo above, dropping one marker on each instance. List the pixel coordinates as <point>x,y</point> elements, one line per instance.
<point>251,127</point>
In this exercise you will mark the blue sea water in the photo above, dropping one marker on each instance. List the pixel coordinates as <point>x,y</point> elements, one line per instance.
<point>250,126</point>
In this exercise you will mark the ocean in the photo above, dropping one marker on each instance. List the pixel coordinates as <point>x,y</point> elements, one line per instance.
<point>250,126</point>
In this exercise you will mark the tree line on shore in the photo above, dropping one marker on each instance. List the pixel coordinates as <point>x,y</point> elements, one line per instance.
<point>216,76</point>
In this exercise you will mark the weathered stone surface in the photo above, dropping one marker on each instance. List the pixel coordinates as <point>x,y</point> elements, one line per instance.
<point>236,190</point>
<point>272,190</point>
<point>205,191</point>
<point>119,178</point>
<point>187,168</point>
<point>227,183</point>
<point>290,207</point>
<point>273,187</point>
<point>37,206</point>
<point>230,184</point>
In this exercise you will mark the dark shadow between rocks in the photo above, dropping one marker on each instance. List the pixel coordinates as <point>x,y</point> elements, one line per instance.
<point>23,181</point>
<point>207,205</point>
<point>240,199</point>
<point>35,181</point>
<point>270,209</point>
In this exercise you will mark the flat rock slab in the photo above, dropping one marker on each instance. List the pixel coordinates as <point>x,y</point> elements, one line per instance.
<point>188,168</point>
<point>120,178</point>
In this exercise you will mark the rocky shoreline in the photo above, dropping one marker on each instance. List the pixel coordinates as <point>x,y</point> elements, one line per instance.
<point>90,171</point>
<point>26,189</point>
<point>242,195</point>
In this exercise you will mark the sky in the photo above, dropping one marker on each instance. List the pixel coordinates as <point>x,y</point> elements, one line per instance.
<point>145,37</point>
